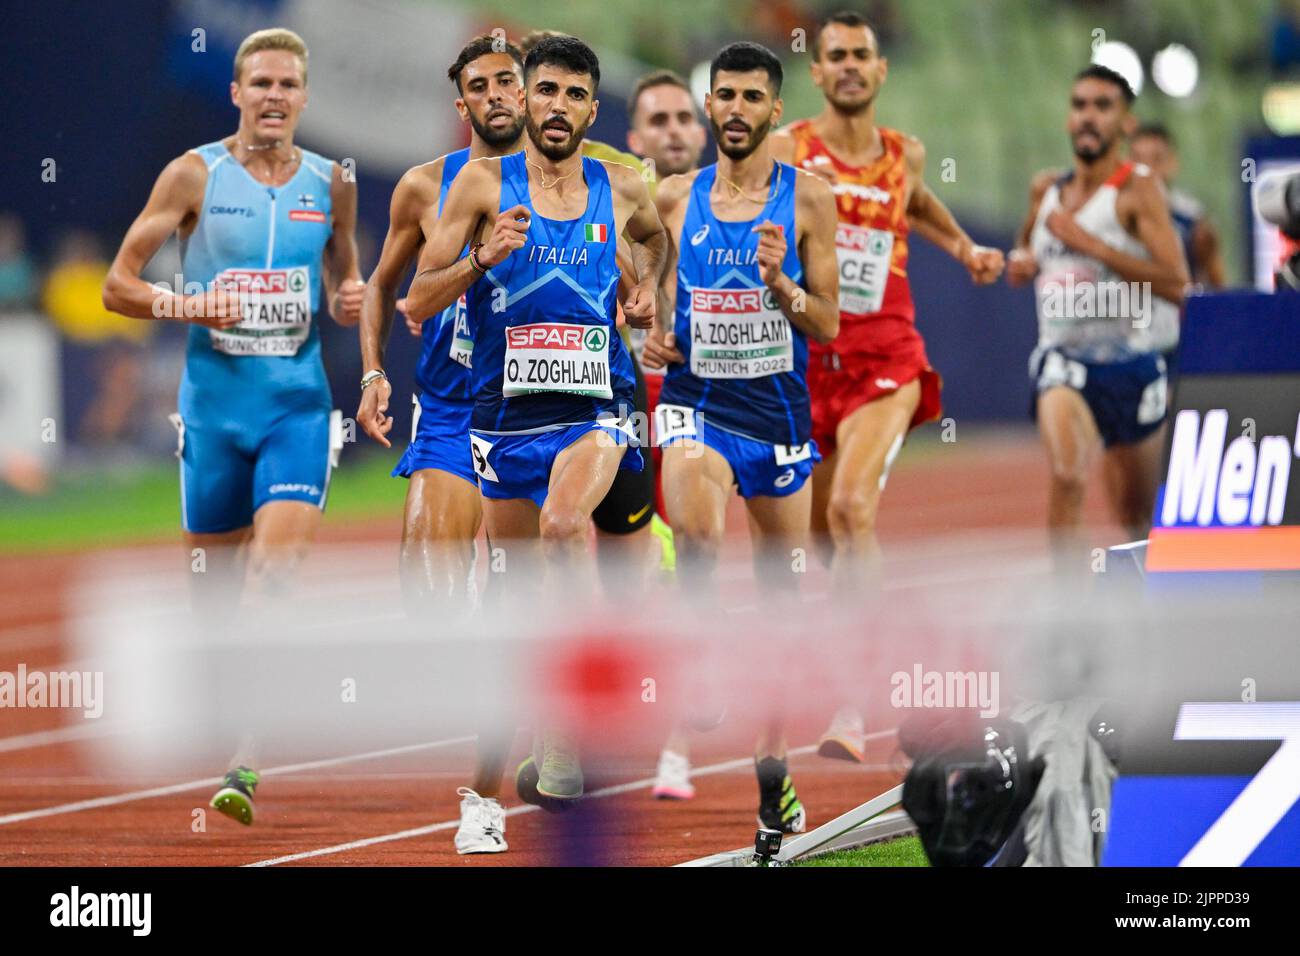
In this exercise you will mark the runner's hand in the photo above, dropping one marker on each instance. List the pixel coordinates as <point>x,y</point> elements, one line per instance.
<point>660,349</point>
<point>771,251</point>
<point>639,309</point>
<point>413,325</point>
<point>1021,267</point>
<point>983,264</point>
<point>214,309</point>
<point>347,301</point>
<point>508,233</point>
<point>372,413</point>
<point>821,167</point>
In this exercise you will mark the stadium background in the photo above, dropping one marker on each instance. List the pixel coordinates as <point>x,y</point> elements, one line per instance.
<point>101,96</point>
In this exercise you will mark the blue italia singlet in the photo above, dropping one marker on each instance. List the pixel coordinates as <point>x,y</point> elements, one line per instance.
<point>266,241</point>
<point>746,364</point>
<point>445,342</point>
<point>546,350</point>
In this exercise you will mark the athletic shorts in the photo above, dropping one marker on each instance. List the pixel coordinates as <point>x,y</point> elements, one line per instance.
<point>229,471</point>
<point>439,439</point>
<point>519,466</point>
<point>841,383</point>
<point>759,469</point>
<point>630,503</point>
<point>1127,398</point>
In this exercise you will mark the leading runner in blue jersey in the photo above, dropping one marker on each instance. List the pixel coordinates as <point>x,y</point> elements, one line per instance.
<point>442,501</point>
<point>552,380</point>
<point>756,275</point>
<point>263,224</point>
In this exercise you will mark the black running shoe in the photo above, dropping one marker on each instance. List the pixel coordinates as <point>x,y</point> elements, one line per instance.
<point>778,805</point>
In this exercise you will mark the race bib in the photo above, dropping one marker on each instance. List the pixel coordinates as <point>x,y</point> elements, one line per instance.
<point>792,454</point>
<point>739,333</point>
<point>864,267</point>
<point>557,357</point>
<point>277,311</point>
<point>673,421</point>
<point>462,343</point>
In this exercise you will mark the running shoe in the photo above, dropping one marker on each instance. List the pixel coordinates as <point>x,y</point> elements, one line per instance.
<point>235,798</point>
<point>482,824</point>
<point>845,738</point>
<point>673,780</point>
<point>560,773</point>
<point>778,805</point>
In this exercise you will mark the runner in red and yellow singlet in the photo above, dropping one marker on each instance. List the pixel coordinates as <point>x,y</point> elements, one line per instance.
<point>873,384</point>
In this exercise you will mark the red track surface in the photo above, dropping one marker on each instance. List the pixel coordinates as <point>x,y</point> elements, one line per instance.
<point>981,482</point>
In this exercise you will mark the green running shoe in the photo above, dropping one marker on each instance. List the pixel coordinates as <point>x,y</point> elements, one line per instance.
<point>235,798</point>
<point>778,805</point>
<point>560,777</point>
<point>664,532</point>
<point>526,786</point>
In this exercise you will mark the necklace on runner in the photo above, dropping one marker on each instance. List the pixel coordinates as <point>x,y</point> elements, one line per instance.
<point>555,182</point>
<point>292,162</point>
<point>740,190</point>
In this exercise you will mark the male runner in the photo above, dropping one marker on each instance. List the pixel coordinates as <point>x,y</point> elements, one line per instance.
<point>753,244</point>
<point>551,379</point>
<point>1097,235</point>
<point>1153,146</point>
<point>873,384</point>
<point>262,222</point>
<point>667,134</point>
<point>442,501</point>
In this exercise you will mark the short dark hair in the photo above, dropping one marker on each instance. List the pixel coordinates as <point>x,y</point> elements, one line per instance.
<point>1156,130</point>
<point>742,57</point>
<point>481,46</point>
<point>566,52</point>
<point>1096,71</point>
<point>649,82</point>
<point>534,37</point>
<point>845,18</point>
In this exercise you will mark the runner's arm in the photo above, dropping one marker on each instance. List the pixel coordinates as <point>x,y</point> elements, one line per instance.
<point>649,245</point>
<point>1021,267</point>
<point>442,273</point>
<point>927,214</point>
<point>343,286</point>
<point>670,203</point>
<point>1208,268</point>
<point>1166,270</point>
<point>813,309</point>
<point>175,201</point>
<point>401,244</point>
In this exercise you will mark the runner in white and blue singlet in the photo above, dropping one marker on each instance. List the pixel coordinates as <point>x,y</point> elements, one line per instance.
<point>263,224</point>
<point>552,380</point>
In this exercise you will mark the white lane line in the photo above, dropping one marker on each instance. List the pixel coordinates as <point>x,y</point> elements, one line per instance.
<point>130,797</point>
<point>43,738</point>
<point>613,791</point>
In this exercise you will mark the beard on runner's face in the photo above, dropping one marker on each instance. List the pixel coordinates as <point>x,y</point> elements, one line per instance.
<point>501,134</point>
<point>739,148</point>
<point>552,149</point>
<point>1094,150</point>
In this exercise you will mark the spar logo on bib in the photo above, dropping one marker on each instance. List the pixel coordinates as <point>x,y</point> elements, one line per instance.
<point>263,281</point>
<point>557,357</point>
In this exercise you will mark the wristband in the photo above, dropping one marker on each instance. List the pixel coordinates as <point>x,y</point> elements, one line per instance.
<point>371,377</point>
<point>473,258</point>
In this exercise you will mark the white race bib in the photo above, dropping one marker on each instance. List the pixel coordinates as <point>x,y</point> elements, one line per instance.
<point>462,343</point>
<point>557,357</point>
<point>864,267</point>
<point>673,421</point>
<point>739,333</point>
<point>277,311</point>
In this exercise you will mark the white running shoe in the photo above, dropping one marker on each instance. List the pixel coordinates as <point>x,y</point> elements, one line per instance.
<point>482,824</point>
<point>673,780</point>
<point>846,738</point>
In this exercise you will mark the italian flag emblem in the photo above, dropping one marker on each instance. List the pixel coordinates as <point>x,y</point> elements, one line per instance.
<point>597,232</point>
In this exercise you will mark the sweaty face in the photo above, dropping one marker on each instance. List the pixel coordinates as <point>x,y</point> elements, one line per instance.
<point>741,111</point>
<point>667,130</point>
<point>1097,113</point>
<point>849,69</point>
<point>492,93</point>
<point>270,94</point>
<point>560,108</point>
